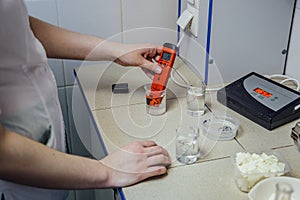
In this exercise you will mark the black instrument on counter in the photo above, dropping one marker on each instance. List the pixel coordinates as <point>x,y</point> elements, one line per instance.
<point>261,100</point>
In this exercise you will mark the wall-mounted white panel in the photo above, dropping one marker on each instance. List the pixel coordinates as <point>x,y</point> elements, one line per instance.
<point>140,14</point>
<point>250,35</point>
<point>293,62</point>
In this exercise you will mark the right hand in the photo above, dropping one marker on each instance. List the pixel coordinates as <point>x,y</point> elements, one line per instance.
<point>136,162</point>
<point>141,55</point>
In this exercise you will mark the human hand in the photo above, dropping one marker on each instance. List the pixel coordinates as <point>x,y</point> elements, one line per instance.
<point>135,162</point>
<point>141,55</point>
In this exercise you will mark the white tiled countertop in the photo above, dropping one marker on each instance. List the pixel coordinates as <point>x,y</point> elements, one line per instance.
<point>122,118</point>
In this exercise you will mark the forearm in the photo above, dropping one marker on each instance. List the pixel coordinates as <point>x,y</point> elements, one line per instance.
<point>27,162</point>
<point>61,43</point>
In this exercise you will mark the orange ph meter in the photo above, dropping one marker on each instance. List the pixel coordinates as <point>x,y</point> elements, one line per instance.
<point>166,61</point>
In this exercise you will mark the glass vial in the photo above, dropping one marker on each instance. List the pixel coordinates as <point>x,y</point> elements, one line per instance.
<point>283,191</point>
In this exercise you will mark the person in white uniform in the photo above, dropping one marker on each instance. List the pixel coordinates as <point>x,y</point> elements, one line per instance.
<point>33,162</point>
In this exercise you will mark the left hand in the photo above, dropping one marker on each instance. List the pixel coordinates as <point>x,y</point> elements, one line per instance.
<point>141,55</point>
<point>135,162</point>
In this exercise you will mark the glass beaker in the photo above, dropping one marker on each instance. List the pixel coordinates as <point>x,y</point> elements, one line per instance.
<point>156,103</point>
<point>187,144</point>
<point>195,98</point>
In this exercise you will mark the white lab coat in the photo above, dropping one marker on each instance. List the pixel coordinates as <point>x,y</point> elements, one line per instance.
<point>28,93</point>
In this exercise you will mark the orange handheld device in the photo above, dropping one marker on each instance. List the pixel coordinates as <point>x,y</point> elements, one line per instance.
<point>166,61</point>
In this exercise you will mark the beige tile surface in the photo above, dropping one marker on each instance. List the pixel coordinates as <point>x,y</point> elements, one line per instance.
<point>124,124</point>
<point>208,180</point>
<point>291,154</point>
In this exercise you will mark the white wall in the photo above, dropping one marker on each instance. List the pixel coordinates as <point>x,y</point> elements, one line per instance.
<point>293,62</point>
<point>149,21</point>
<point>100,18</point>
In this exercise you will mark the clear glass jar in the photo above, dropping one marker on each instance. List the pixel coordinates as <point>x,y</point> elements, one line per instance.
<point>283,191</point>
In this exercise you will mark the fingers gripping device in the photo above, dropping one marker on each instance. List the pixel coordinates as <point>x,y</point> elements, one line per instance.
<point>166,61</point>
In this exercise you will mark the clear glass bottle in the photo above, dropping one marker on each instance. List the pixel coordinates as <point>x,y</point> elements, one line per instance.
<point>283,191</point>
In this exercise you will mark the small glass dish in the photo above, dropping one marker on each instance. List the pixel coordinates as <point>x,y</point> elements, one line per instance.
<point>245,181</point>
<point>220,128</point>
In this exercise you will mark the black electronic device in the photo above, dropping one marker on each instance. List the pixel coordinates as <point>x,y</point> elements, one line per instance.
<point>261,100</point>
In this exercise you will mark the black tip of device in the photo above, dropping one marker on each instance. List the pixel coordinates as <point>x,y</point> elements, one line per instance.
<point>171,46</point>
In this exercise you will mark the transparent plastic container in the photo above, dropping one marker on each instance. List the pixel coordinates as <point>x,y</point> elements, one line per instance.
<point>245,181</point>
<point>220,127</point>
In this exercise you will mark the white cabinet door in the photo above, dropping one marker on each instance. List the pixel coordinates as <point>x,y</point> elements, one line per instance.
<point>246,35</point>
<point>293,62</point>
<point>250,35</point>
